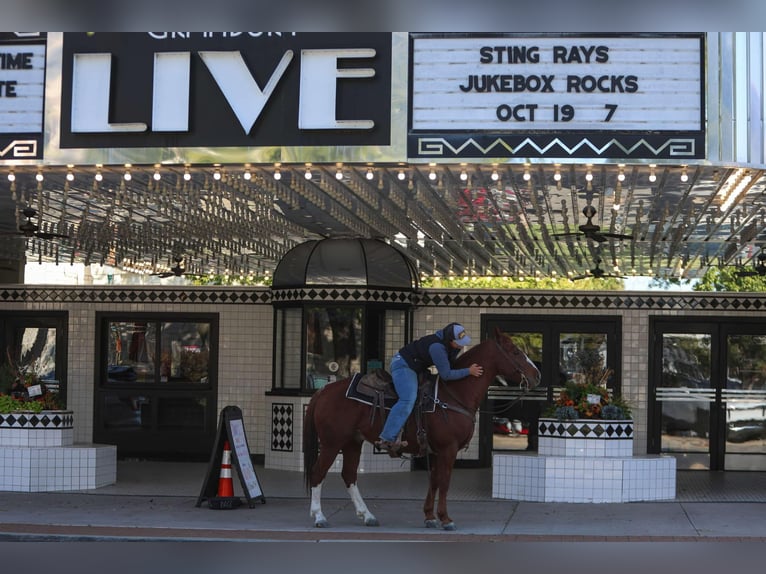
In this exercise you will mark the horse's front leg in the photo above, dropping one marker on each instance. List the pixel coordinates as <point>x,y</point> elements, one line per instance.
<point>315,511</point>
<point>428,505</point>
<point>351,454</point>
<point>444,465</point>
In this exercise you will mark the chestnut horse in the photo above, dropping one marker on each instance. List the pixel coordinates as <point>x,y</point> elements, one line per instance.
<point>335,424</point>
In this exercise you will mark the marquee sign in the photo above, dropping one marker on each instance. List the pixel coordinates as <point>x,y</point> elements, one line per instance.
<point>22,95</point>
<point>210,93</point>
<point>557,96</point>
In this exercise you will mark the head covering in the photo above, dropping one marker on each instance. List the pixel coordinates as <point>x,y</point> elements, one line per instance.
<point>460,336</point>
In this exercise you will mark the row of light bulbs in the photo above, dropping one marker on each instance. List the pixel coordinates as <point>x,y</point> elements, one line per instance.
<point>369,175</point>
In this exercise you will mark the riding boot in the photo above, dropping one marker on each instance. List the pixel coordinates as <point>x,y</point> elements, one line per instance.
<point>393,448</point>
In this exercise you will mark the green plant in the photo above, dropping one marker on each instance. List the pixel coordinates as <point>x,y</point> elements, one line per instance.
<point>587,397</point>
<point>8,404</point>
<point>16,381</point>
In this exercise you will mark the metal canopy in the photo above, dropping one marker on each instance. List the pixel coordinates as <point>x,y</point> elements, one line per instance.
<point>517,220</point>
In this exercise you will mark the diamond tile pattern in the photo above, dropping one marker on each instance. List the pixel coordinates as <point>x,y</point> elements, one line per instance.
<point>282,427</point>
<point>586,428</point>
<point>43,420</point>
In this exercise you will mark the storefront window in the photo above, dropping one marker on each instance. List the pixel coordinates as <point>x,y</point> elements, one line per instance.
<point>156,393</point>
<point>34,344</point>
<point>183,350</point>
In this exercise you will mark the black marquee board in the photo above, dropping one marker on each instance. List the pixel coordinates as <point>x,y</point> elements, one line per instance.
<point>232,429</point>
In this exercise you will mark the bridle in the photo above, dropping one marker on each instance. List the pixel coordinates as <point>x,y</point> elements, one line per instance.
<point>524,382</point>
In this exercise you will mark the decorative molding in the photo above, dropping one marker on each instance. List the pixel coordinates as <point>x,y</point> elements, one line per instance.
<point>493,299</point>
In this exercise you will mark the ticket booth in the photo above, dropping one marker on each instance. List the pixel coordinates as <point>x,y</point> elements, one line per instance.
<point>342,306</point>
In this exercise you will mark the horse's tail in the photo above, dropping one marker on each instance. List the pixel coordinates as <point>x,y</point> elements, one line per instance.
<point>310,442</point>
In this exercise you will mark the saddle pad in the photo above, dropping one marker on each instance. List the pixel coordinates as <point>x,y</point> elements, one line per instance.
<point>353,392</point>
<point>427,399</point>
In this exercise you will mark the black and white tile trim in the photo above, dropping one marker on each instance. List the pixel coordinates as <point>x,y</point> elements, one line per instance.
<point>42,420</point>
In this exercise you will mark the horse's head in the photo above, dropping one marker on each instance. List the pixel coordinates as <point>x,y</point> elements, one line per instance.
<point>514,363</point>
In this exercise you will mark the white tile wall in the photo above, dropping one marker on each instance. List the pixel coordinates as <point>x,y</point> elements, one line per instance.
<point>36,437</point>
<point>43,469</point>
<point>585,447</point>
<point>537,478</point>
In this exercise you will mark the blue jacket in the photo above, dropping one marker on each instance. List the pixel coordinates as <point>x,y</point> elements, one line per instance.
<point>434,350</point>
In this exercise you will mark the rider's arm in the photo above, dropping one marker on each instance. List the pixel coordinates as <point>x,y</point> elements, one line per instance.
<point>441,362</point>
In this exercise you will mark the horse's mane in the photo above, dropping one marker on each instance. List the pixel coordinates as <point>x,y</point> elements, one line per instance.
<point>465,359</point>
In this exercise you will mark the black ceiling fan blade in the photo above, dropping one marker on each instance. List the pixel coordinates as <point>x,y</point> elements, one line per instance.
<point>747,273</point>
<point>568,234</point>
<point>46,235</point>
<point>616,235</point>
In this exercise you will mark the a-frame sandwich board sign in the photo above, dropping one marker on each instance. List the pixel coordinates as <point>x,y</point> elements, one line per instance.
<point>231,428</point>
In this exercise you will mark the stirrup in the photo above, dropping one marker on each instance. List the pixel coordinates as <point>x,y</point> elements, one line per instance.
<point>393,448</point>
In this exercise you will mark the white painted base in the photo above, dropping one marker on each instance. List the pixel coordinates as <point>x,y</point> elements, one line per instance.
<point>537,478</point>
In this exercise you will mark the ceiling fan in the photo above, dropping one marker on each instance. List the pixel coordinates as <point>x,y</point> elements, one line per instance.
<point>176,270</point>
<point>758,269</point>
<point>597,273</point>
<point>592,230</point>
<point>31,229</point>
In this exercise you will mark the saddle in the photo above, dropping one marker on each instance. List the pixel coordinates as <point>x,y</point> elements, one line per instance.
<point>376,389</point>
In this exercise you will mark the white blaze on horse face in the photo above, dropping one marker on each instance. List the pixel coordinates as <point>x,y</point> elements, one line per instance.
<point>537,379</point>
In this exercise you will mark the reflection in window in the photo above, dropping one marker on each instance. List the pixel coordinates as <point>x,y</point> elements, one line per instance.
<point>125,411</point>
<point>333,344</point>
<point>181,355</point>
<point>38,352</point>
<point>580,352</point>
<point>185,352</point>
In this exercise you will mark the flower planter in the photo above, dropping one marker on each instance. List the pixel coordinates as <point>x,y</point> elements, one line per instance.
<point>583,460</point>
<point>585,437</point>
<point>46,428</point>
<point>38,454</point>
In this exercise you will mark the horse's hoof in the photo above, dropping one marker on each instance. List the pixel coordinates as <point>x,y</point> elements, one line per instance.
<point>321,524</point>
<point>432,523</point>
<point>372,521</point>
<point>449,526</point>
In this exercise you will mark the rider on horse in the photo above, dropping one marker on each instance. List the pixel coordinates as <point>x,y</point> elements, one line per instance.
<point>439,350</point>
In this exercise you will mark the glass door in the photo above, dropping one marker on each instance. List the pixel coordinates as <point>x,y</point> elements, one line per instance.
<point>709,388</point>
<point>744,402</point>
<point>683,398</point>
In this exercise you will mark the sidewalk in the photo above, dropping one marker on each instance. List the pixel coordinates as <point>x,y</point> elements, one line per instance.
<point>157,501</point>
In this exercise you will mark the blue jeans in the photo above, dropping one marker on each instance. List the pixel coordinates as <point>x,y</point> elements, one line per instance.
<point>406,385</point>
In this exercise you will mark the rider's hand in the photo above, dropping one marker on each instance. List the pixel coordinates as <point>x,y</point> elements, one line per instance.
<point>476,370</point>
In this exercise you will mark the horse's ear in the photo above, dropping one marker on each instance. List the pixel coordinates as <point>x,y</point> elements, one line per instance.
<point>498,333</point>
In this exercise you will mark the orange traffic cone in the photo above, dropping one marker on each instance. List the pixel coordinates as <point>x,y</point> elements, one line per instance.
<point>225,484</point>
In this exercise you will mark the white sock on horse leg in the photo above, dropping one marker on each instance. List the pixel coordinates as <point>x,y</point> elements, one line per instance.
<point>361,508</point>
<point>315,510</point>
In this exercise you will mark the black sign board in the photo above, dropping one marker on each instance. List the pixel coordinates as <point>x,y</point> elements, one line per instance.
<point>265,93</point>
<point>232,429</point>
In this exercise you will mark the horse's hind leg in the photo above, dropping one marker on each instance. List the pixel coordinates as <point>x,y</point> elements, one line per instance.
<point>319,472</point>
<point>351,455</point>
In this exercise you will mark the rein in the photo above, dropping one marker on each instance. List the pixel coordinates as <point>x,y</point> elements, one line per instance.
<point>460,408</point>
<point>523,385</point>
